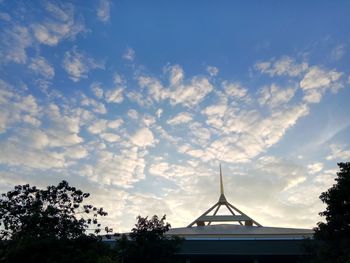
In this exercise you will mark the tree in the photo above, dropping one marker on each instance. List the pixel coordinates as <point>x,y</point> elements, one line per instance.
<point>49,225</point>
<point>335,233</point>
<point>147,242</point>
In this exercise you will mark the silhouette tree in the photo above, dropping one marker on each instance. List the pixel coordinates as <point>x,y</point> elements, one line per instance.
<point>147,242</point>
<point>49,225</point>
<point>335,233</point>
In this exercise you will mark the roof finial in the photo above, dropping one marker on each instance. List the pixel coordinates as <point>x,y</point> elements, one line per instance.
<point>221,183</point>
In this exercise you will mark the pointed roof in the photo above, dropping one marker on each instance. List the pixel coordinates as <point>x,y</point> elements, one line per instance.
<point>235,214</point>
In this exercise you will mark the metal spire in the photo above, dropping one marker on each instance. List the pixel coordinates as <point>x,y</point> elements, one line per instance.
<point>234,216</point>
<point>221,182</point>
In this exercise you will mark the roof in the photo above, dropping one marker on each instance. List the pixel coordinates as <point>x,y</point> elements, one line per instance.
<point>223,231</point>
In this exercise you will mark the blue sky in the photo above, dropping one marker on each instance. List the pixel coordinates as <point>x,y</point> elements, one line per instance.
<point>138,102</point>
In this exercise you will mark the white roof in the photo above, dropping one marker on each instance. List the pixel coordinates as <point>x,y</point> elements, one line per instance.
<point>238,231</point>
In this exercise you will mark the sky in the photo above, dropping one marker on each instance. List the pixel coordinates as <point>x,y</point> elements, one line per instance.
<point>138,102</point>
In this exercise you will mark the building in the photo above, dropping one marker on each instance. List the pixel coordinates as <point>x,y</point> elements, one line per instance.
<point>236,237</point>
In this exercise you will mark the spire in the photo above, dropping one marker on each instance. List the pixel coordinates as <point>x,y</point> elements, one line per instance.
<point>222,198</point>
<point>221,182</point>
<point>235,215</point>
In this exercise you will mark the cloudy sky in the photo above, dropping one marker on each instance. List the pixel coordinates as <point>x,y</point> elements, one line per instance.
<point>137,102</point>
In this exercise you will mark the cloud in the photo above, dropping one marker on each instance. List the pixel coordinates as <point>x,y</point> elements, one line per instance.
<point>316,81</point>
<point>115,124</point>
<point>176,74</point>
<point>103,10</point>
<point>154,87</point>
<point>97,89</point>
<point>41,66</point>
<point>15,41</point>
<point>98,126</point>
<point>17,155</point>
<point>159,113</point>
<point>234,89</point>
<point>59,23</point>
<point>97,107</point>
<point>143,137</point>
<point>78,65</point>
<point>191,94</point>
<point>110,137</point>
<point>242,133</point>
<point>118,79</point>
<point>213,71</point>
<point>122,169</point>
<point>339,153</point>
<point>319,78</point>
<point>182,117</point>
<point>338,52</point>
<point>274,96</point>
<point>315,167</point>
<point>16,108</point>
<point>188,93</point>
<point>283,66</point>
<point>114,95</point>
<point>63,128</point>
<point>129,54</point>
<point>132,114</point>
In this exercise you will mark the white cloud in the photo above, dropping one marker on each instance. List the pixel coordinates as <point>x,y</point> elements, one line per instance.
<point>115,124</point>
<point>159,113</point>
<point>274,96</point>
<point>176,74</point>
<point>187,93</point>
<point>97,89</point>
<point>17,155</point>
<point>114,95</point>
<point>78,65</point>
<point>41,66</point>
<point>14,42</point>
<point>200,135</point>
<point>97,107</point>
<point>243,134</point>
<point>129,54</point>
<point>132,114</point>
<point>155,88</point>
<point>213,71</point>
<point>103,10</point>
<point>319,78</point>
<point>16,107</point>
<point>110,137</point>
<point>338,52</point>
<point>234,89</point>
<point>75,152</point>
<point>148,120</point>
<point>122,169</point>
<point>315,167</point>
<point>182,117</point>
<point>63,128</point>
<point>143,137</point>
<point>118,79</point>
<point>316,81</point>
<point>283,66</point>
<point>218,109</point>
<point>339,152</point>
<point>98,126</point>
<point>191,94</point>
<point>58,24</point>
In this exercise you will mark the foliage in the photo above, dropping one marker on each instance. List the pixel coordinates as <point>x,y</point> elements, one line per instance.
<point>147,242</point>
<point>88,249</point>
<point>31,212</point>
<point>335,233</point>
<point>50,225</point>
